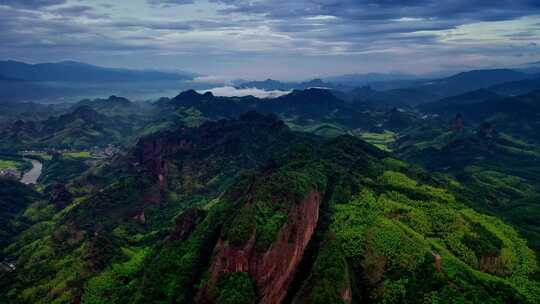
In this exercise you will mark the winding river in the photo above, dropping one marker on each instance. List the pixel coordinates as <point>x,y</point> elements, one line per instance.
<point>32,176</point>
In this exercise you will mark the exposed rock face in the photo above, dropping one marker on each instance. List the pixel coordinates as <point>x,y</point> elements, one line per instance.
<point>438,261</point>
<point>186,222</point>
<point>346,294</point>
<point>273,270</point>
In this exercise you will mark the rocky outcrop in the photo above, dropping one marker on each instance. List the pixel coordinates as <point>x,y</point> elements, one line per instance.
<point>186,222</point>
<point>273,270</point>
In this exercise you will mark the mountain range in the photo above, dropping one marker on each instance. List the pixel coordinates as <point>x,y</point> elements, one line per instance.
<point>426,193</point>
<point>72,71</point>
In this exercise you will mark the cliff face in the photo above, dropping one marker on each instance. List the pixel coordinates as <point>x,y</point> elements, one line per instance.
<point>273,270</point>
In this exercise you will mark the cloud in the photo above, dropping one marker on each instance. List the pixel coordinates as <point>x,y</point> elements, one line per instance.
<point>166,3</point>
<point>272,36</point>
<point>31,4</point>
<point>72,10</point>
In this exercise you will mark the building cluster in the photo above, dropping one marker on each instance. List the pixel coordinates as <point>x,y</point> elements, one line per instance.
<point>6,266</point>
<point>10,173</point>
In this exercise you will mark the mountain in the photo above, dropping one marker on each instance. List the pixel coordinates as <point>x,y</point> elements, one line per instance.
<point>390,98</point>
<point>518,87</point>
<point>15,90</point>
<point>304,108</point>
<point>79,128</point>
<point>113,105</point>
<point>366,79</point>
<point>270,85</point>
<point>497,163</point>
<point>70,71</point>
<point>10,112</point>
<point>471,80</point>
<point>518,115</point>
<point>82,128</point>
<point>309,102</point>
<point>247,211</point>
<point>450,106</point>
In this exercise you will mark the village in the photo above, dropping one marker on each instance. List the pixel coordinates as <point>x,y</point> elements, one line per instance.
<point>13,169</point>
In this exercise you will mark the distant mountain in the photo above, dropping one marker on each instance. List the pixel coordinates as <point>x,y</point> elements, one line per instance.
<point>518,115</point>
<point>363,79</point>
<point>390,98</point>
<point>309,102</point>
<point>80,128</point>
<point>517,87</point>
<point>471,80</point>
<point>449,106</point>
<point>14,90</point>
<point>302,108</point>
<point>113,105</point>
<point>70,71</point>
<point>270,85</point>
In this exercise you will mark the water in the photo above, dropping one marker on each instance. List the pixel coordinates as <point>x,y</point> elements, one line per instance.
<point>32,176</point>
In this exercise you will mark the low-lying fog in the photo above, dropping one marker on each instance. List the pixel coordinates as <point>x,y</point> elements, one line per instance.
<point>229,91</point>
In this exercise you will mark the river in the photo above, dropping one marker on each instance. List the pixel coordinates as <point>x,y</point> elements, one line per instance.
<point>32,176</point>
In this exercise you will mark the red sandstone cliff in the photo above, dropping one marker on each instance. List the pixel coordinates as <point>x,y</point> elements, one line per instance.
<point>273,270</point>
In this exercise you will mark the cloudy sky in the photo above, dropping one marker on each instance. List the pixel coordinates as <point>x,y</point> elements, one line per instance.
<point>284,39</point>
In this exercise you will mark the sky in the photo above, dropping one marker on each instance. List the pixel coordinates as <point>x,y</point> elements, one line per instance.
<point>282,39</point>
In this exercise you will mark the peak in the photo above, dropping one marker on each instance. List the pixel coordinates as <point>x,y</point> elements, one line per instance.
<point>118,99</point>
<point>192,95</point>
<point>188,93</point>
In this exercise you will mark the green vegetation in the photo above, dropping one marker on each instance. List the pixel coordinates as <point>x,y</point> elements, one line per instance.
<point>236,288</point>
<point>40,155</point>
<point>380,140</point>
<point>193,210</point>
<point>14,199</point>
<point>80,154</point>
<point>9,164</point>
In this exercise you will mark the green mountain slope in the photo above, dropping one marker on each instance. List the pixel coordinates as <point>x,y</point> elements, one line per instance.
<point>247,211</point>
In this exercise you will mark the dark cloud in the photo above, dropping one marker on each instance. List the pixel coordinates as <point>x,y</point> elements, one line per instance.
<point>427,31</point>
<point>75,10</point>
<point>153,25</point>
<point>170,2</point>
<point>31,4</point>
<point>359,11</point>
